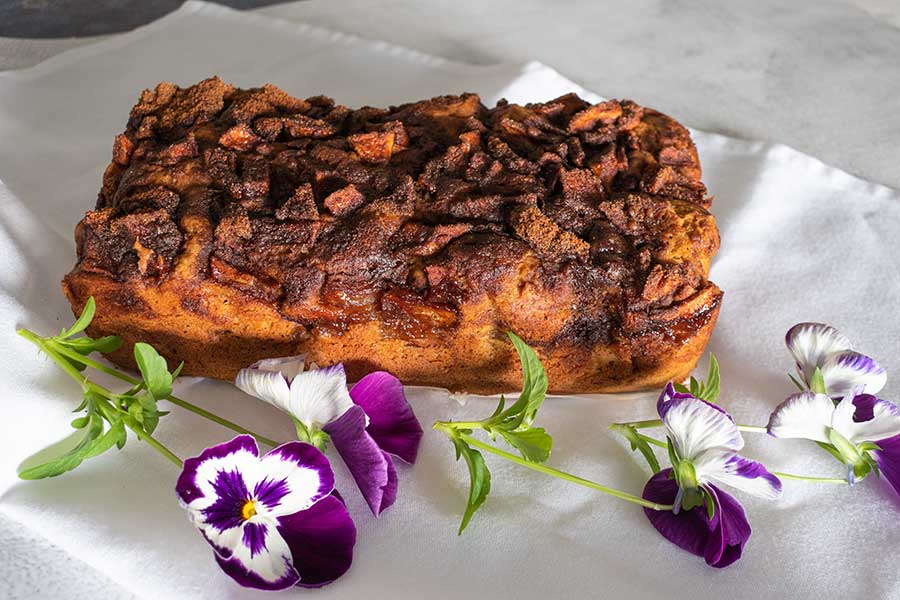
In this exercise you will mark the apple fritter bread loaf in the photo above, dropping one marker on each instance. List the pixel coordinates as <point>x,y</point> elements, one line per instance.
<point>234,225</point>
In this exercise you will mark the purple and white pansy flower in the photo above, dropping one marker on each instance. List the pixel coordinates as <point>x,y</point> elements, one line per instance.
<point>819,346</point>
<point>703,447</point>
<point>273,521</point>
<point>862,431</point>
<point>367,425</point>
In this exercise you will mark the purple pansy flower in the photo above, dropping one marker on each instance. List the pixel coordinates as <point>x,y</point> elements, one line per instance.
<point>861,430</point>
<point>816,345</point>
<point>367,424</point>
<point>704,449</point>
<point>273,521</point>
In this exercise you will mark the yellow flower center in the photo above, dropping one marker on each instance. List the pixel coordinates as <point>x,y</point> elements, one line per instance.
<point>249,510</point>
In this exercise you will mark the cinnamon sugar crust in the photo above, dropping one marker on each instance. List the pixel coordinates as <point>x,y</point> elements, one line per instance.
<point>234,225</point>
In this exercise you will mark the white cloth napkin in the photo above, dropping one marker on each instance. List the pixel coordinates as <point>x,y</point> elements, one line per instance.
<point>800,241</point>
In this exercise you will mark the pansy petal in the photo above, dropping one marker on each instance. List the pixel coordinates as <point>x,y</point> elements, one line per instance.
<point>288,366</point>
<point>392,423</point>
<point>803,415</point>
<point>735,529</point>
<point>270,386</point>
<point>684,530</point>
<point>320,396</point>
<point>372,469</point>
<point>888,459</point>
<point>812,343</point>
<point>740,473</point>
<point>188,486</point>
<point>865,418</point>
<point>262,560</point>
<point>847,370</point>
<point>668,394</point>
<point>294,476</point>
<point>321,540</point>
<point>696,426</point>
<point>719,541</point>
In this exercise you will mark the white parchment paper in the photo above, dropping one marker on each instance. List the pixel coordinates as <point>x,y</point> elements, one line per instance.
<point>801,241</point>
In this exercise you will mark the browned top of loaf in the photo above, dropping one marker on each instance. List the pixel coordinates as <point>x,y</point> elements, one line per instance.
<point>406,214</point>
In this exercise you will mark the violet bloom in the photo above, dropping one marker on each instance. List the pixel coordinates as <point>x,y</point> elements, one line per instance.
<point>704,442</point>
<point>815,345</point>
<point>273,521</point>
<point>862,431</point>
<point>367,425</point>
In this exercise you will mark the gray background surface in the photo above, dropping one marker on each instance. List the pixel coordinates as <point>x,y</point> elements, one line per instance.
<point>827,85</point>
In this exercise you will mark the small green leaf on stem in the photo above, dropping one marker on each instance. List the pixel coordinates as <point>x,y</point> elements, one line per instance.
<point>710,388</point>
<point>534,380</point>
<point>817,382</point>
<point>86,345</point>
<point>695,387</point>
<point>637,442</point>
<point>94,442</point>
<point>796,383</point>
<point>680,387</point>
<point>534,444</point>
<point>87,315</point>
<point>479,480</point>
<point>154,370</point>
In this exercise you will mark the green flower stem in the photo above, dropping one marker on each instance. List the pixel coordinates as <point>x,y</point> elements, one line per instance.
<point>551,471</point>
<point>810,479</point>
<point>76,356</point>
<point>643,424</point>
<point>780,474</point>
<point>146,437</point>
<point>99,390</point>
<point>753,429</point>
<point>658,423</point>
<point>653,441</point>
<point>465,424</point>
<point>221,421</point>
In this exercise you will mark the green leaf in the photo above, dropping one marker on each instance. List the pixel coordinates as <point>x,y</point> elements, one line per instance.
<point>797,383</point>
<point>479,480</point>
<point>638,443</point>
<point>107,440</point>
<point>673,456</point>
<point>301,429</point>
<point>154,370</point>
<point>831,450</point>
<point>136,411</point>
<point>534,380</point>
<point>499,408</point>
<point>86,345</point>
<point>94,443</point>
<point>151,420</point>
<point>80,422</point>
<point>817,382</point>
<point>710,391</point>
<point>695,387</point>
<point>680,387</point>
<point>83,405</point>
<point>533,444</point>
<point>87,315</point>
<point>177,370</point>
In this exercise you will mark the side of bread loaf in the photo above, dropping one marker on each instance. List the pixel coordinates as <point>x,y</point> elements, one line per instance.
<point>234,225</point>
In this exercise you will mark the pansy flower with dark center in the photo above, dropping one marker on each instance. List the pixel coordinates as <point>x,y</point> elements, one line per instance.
<point>273,521</point>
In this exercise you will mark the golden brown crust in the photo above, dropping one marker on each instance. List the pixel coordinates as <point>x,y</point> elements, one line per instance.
<point>234,225</point>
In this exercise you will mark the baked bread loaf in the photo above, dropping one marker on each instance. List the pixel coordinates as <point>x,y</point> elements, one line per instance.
<point>235,225</point>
